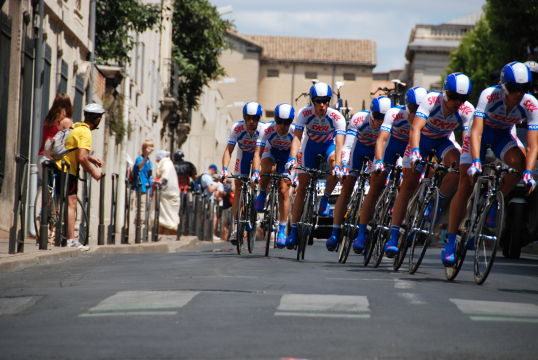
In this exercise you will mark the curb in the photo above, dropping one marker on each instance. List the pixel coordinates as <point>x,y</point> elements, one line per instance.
<point>58,255</point>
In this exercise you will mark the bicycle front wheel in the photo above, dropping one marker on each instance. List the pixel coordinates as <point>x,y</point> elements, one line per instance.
<point>382,218</point>
<point>422,229</point>
<point>351,221</point>
<point>269,221</point>
<point>488,235</point>
<point>304,229</point>
<point>251,217</point>
<point>81,224</point>
<point>241,216</point>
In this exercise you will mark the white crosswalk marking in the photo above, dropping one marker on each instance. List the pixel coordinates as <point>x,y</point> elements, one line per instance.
<point>142,303</point>
<point>15,305</point>
<point>479,310</point>
<point>412,298</point>
<point>403,284</point>
<point>335,306</point>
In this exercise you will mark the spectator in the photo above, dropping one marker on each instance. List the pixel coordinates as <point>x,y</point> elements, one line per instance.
<point>58,118</point>
<point>226,196</point>
<point>206,180</point>
<point>142,168</point>
<point>216,199</point>
<point>169,210</point>
<point>186,171</point>
<point>79,142</point>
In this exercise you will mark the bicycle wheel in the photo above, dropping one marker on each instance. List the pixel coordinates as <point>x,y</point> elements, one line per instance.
<point>251,216</point>
<point>382,227</point>
<point>403,243</point>
<point>422,229</point>
<point>269,221</point>
<point>241,216</point>
<point>349,231</point>
<point>53,209</point>
<point>81,224</point>
<point>304,226</point>
<point>466,232</point>
<point>372,247</point>
<point>488,236</point>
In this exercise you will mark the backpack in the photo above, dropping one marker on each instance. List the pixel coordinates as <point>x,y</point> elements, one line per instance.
<point>55,146</point>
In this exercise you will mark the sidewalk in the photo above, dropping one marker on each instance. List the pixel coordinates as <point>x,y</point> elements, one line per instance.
<point>33,256</point>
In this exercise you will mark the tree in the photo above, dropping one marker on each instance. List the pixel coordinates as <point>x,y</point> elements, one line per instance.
<point>116,23</point>
<point>502,35</point>
<point>198,37</point>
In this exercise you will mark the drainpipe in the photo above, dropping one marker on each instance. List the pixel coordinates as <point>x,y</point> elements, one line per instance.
<point>92,50</point>
<point>36,111</point>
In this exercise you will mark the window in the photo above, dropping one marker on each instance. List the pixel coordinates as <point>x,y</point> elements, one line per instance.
<point>79,95</point>
<point>272,73</point>
<point>310,75</point>
<point>269,114</point>
<point>349,76</point>
<point>64,75</point>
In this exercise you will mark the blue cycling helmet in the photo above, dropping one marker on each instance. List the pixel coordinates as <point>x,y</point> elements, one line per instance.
<point>458,83</point>
<point>253,109</point>
<point>284,111</point>
<point>415,95</point>
<point>516,76</point>
<point>380,104</point>
<point>320,90</point>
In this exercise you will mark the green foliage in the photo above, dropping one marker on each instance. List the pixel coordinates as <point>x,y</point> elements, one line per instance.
<point>499,37</point>
<point>116,23</point>
<point>198,36</point>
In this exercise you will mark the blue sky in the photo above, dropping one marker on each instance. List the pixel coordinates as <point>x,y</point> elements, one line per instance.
<point>387,22</point>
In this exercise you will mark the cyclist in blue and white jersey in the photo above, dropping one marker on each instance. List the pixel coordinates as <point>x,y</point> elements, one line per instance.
<point>438,115</point>
<point>244,133</point>
<point>498,110</point>
<point>273,148</point>
<point>361,136</point>
<point>392,140</point>
<point>325,130</point>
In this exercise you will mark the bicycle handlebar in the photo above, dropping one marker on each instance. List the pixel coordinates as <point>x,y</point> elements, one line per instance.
<point>315,172</point>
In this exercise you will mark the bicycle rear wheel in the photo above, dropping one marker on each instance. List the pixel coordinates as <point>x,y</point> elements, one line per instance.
<point>422,229</point>
<point>251,217</point>
<point>487,239</point>
<point>349,232</point>
<point>81,224</point>
<point>269,221</point>
<point>53,208</point>
<point>241,217</point>
<point>382,218</point>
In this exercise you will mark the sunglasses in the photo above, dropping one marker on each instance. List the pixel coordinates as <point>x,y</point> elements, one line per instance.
<point>252,117</point>
<point>321,100</point>
<point>514,87</point>
<point>377,115</point>
<point>457,97</point>
<point>283,121</point>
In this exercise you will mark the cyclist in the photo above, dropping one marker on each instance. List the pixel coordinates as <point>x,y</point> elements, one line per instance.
<point>325,131</point>
<point>392,140</point>
<point>273,146</point>
<point>361,135</point>
<point>499,109</point>
<point>438,115</point>
<point>245,134</point>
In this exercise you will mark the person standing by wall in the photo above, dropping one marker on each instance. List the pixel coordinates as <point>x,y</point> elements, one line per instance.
<point>167,177</point>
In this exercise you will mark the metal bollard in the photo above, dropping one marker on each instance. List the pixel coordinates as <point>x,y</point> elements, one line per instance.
<point>86,201</point>
<point>61,224</point>
<point>157,197</point>
<point>45,206</point>
<point>138,230</point>
<point>126,212</point>
<point>16,235</point>
<point>111,238</point>
<point>147,203</point>
<point>101,226</point>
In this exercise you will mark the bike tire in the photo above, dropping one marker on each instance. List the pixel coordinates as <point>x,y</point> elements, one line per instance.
<point>251,216</point>
<point>403,243</point>
<point>81,224</point>
<point>487,239</point>
<point>421,239</point>
<point>350,228</point>
<point>52,208</point>
<point>269,221</point>
<point>305,226</point>
<point>382,226</point>
<point>241,222</point>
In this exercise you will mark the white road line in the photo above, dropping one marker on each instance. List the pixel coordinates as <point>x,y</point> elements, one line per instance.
<point>314,305</point>
<point>145,300</point>
<point>412,298</point>
<point>403,284</point>
<point>501,310</point>
<point>355,279</point>
<point>130,313</point>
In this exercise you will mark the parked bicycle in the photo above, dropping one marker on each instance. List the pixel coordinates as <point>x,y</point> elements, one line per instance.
<point>17,231</point>
<point>482,227</point>
<point>246,215</point>
<point>351,216</point>
<point>380,229</point>
<point>271,213</point>
<point>309,216</point>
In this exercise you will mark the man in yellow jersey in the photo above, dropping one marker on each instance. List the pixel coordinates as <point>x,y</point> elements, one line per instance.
<point>79,145</point>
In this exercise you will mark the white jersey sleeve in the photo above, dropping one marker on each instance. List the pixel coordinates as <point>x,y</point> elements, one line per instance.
<point>426,106</point>
<point>466,111</point>
<point>304,114</point>
<point>237,129</point>
<point>530,104</point>
<point>351,135</point>
<point>265,131</point>
<point>388,119</point>
<point>483,101</point>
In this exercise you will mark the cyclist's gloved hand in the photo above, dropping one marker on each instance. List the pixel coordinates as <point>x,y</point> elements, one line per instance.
<point>337,171</point>
<point>224,173</point>
<point>292,162</point>
<point>255,178</point>
<point>528,180</point>
<point>378,165</point>
<point>475,168</point>
<point>345,171</point>
<point>415,156</point>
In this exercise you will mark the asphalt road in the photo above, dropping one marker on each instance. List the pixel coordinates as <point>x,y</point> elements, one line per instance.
<point>209,303</point>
